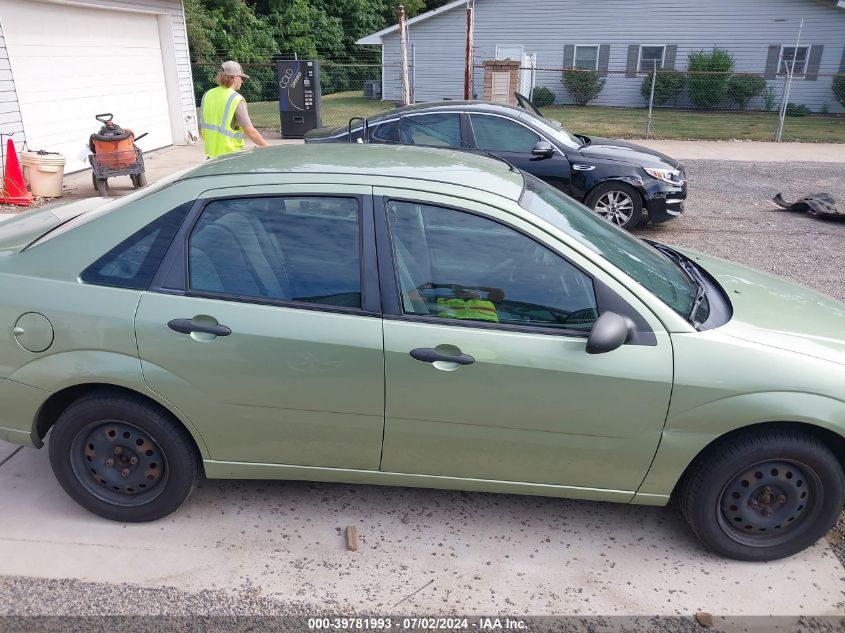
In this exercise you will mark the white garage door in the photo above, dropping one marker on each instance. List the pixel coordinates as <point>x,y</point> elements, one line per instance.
<point>70,63</point>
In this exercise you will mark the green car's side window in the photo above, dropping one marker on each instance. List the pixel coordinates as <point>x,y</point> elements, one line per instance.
<point>302,249</point>
<point>134,262</point>
<point>460,266</point>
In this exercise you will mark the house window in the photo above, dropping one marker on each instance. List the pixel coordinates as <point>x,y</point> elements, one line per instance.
<point>509,51</point>
<point>651,57</point>
<point>787,54</point>
<point>587,57</point>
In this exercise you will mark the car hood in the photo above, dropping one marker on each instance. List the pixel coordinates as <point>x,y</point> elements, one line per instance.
<point>612,149</point>
<point>772,311</point>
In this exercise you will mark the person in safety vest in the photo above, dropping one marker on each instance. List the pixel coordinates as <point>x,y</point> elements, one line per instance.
<point>224,120</point>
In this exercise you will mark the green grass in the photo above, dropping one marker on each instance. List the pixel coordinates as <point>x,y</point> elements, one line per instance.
<point>338,108</point>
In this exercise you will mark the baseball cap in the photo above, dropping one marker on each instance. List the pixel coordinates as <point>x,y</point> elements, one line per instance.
<point>233,68</point>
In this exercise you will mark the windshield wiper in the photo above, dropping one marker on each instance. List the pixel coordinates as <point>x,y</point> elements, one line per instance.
<point>691,271</point>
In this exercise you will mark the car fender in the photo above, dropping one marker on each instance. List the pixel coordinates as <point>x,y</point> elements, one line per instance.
<point>57,372</point>
<point>683,437</point>
<point>586,184</point>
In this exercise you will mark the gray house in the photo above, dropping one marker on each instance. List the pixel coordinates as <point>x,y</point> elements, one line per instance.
<point>621,40</point>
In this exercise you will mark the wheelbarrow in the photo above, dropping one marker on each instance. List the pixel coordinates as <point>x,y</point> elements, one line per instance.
<point>114,153</point>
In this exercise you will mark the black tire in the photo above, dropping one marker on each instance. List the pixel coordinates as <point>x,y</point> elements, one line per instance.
<point>615,187</point>
<point>102,186</point>
<point>138,180</point>
<point>144,433</point>
<point>763,495</point>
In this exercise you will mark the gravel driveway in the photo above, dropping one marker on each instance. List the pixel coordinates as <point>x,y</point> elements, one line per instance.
<point>729,214</point>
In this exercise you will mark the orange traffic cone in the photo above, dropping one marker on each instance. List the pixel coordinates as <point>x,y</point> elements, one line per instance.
<point>14,190</point>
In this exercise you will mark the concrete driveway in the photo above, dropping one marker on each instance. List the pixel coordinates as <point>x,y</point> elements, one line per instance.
<point>436,552</point>
<point>421,551</point>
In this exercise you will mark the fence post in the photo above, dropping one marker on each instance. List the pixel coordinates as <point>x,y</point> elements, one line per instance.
<point>403,45</point>
<point>651,100</point>
<point>788,84</point>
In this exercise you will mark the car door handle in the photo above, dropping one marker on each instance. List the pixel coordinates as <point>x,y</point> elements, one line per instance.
<point>189,326</point>
<point>431,355</point>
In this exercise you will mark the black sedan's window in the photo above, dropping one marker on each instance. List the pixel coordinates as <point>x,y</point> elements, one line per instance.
<point>436,130</point>
<point>134,262</point>
<point>497,134</point>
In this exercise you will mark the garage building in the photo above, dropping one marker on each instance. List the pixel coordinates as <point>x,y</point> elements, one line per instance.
<point>63,62</point>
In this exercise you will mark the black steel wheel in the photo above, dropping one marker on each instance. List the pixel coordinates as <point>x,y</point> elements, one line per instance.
<point>123,457</point>
<point>763,496</point>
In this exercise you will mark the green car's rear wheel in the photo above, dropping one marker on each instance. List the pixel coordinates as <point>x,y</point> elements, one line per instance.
<point>122,457</point>
<point>763,496</point>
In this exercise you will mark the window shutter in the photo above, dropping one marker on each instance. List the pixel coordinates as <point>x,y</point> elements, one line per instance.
<point>501,87</point>
<point>569,56</point>
<point>842,63</point>
<point>772,61</point>
<point>604,57</point>
<point>669,57</point>
<point>633,55</point>
<point>813,62</point>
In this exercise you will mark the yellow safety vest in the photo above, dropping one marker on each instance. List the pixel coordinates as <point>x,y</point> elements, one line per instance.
<point>475,309</point>
<point>217,111</point>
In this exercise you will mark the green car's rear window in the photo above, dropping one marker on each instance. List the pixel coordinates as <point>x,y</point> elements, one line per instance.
<point>134,262</point>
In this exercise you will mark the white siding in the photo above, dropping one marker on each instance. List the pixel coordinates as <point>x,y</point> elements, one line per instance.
<point>746,28</point>
<point>184,113</point>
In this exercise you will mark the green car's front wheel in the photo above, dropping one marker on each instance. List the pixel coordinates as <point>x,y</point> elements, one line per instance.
<point>765,495</point>
<point>122,457</point>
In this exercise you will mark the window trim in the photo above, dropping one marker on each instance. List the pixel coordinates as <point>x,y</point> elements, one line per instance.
<point>514,120</point>
<point>796,74</point>
<point>640,57</point>
<point>575,56</point>
<point>392,288</point>
<point>173,275</point>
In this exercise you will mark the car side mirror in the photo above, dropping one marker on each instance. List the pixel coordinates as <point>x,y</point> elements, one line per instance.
<point>609,332</point>
<point>542,149</point>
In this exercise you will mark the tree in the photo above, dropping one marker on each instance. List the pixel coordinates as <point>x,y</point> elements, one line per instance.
<point>709,74</point>
<point>743,88</point>
<point>838,87</point>
<point>583,85</point>
<point>668,86</point>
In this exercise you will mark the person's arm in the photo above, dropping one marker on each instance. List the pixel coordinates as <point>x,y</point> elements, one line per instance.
<point>243,121</point>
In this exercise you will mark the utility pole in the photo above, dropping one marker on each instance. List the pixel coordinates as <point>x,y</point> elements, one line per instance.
<point>403,45</point>
<point>788,86</point>
<point>468,68</point>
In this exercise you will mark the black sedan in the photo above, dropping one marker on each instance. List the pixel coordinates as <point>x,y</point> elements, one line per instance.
<point>618,180</point>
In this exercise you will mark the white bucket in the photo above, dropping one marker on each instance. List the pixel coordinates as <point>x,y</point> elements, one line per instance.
<point>44,173</point>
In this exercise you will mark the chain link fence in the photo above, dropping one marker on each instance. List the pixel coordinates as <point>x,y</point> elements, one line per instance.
<point>616,104</point>
<point>348,90</point>
<point>681,105</point>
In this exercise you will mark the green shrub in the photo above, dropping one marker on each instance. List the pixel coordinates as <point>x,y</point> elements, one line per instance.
<point>794,109</point>
<point>709,75</point>
<point>668,86</point>
<point>838,87</point>
<point>542,96</point>
<point>583,85</point>
<point>769,98</point>
<point>743,88</point>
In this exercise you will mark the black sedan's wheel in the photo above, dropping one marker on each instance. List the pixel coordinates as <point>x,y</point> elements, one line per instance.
<point>618,203</point>
<point>764,496</point>
<point>122,458</point>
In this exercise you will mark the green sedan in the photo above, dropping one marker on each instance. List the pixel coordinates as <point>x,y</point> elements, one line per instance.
<point>414,317</point>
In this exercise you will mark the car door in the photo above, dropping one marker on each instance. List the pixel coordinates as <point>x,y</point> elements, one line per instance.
<point>263,329</point>
<point>513,141</point>
<point>487,376</point>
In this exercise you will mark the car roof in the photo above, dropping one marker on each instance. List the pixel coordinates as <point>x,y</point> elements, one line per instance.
<point>447,166</point>
<point>434,106</point>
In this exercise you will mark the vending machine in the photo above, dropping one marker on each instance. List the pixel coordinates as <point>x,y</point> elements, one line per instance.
<point>299,96</point>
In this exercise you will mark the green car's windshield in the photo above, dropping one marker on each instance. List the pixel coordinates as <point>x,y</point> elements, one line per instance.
<point>643,263</point>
